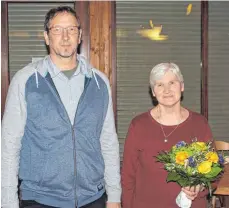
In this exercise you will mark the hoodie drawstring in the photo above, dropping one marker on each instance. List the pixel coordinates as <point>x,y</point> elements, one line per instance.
<point>93,72</point>
<point>36,77</point>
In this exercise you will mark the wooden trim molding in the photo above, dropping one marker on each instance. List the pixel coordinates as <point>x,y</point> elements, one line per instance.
<point>204,58</point>
<point>4,55</point>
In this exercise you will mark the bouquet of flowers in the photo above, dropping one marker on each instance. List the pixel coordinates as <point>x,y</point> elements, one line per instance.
<point>190,165</point>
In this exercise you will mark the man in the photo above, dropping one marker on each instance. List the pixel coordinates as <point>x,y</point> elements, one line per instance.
<point>58,131</point>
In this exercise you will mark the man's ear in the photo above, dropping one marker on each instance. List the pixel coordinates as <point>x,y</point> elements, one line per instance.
<point>46,37</point>
<point>80,36</point>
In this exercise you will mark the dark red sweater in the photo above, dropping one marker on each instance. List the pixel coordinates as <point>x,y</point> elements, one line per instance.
<point>143,179</point>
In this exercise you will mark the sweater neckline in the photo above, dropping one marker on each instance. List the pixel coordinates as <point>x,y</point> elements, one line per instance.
<point>169,126</point>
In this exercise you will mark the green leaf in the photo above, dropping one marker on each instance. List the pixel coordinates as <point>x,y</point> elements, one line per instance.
<point>172,176</point>
<point>183,182</point>
<point>163,157</point>
<point>214,172</point>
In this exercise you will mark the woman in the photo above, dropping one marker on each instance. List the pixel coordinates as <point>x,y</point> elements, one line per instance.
<point>143,179</point>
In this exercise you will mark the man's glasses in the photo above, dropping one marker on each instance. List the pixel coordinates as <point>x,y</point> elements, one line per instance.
<point>57,30</point>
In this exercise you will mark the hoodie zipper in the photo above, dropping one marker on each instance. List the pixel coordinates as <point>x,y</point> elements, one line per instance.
<point>74,141</point>
<point>72,130</point>
<point>54,91</point>
<point>74,157</point>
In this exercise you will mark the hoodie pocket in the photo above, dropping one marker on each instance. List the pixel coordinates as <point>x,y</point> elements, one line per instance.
<point>58,174</point>
<point>32,163</point>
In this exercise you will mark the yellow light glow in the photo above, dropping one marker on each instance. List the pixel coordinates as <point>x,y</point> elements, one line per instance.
<point>189,9</point>
<point>154,33</point>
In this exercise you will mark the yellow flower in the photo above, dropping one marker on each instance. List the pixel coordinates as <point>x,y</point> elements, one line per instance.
<point>212,157</point>
<point>200,145</point>
<point>181,157</point>
<point>204,167</point>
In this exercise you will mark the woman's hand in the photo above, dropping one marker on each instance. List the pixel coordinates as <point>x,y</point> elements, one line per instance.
<point>193,191</point>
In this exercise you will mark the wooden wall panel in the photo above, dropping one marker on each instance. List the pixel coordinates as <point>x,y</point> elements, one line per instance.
<point>101,36</point>
<point>95,28</point>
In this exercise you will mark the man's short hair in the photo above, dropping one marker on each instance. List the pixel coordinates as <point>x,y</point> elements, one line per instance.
<point>54,11</point>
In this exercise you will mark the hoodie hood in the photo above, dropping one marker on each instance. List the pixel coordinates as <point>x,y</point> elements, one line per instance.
<point>86,69</point>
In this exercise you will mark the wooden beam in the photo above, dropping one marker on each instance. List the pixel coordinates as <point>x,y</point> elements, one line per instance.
<point>95,24</point>
<point>4,55</point>
<point>100,36</point>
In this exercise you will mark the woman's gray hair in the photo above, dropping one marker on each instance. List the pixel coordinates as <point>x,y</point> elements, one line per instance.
<point>160,69</point>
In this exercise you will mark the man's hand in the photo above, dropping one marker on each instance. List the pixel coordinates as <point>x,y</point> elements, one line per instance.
<point>113,205</point>
<point>192,192</point>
